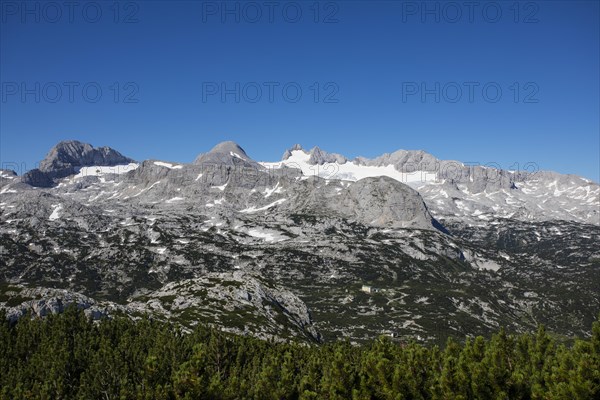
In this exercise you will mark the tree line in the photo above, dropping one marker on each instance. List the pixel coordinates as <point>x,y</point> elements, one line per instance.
<point>68,356</point>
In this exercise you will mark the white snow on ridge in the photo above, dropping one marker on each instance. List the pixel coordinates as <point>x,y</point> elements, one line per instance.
<point>167,165</point>
<point>254,209</point>
<point>350,171</point>
<point>268,192</point>
<point>145,190</point>
<point>100,170</point>
<point>534,199</point>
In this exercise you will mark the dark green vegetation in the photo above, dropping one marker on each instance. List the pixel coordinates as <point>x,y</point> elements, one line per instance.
<point>68,356</point>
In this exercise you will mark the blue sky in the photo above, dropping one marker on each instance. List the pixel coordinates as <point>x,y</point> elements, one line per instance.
<point>374,77</point>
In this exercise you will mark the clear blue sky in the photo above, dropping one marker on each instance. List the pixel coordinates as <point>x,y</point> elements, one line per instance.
<point>370,56</point>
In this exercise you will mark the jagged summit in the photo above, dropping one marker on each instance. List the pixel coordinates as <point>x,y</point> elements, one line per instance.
<point>404,159</point>
<point>397,158</point>
<point>67,156</point>
<point>316,155</point>
<point>288,152</point>
<point>73,153</point>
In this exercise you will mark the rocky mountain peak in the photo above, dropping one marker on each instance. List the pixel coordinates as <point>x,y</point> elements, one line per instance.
<point>73,153</point>
<point>229,147</point>
<point>64,159</point>
<point>318,156</point>
<point>403,159</point>
<point>227,153</point>
<point>288,152</point>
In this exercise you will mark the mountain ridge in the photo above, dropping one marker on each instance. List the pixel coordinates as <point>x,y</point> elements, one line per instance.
<point>514,193</point>
<point>305,248</point>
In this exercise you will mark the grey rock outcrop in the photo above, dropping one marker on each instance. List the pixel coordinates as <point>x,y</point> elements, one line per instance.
<point>385,202</point>
<point>378,201</point>
<point>318,156</point>
<point>404,161</point>
<point>66,157</point>
<point>46,301</point>
<point>37,178</point>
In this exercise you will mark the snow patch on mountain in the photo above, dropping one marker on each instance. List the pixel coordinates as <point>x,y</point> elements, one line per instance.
<point>350,170</point>
<point>104,170</point>
<point>55,212</point>
<point>264,208</point>
<point>167,165</point>
<point>266,235</point>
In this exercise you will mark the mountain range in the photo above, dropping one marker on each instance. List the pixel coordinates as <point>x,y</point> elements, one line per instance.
<point>314,247</point>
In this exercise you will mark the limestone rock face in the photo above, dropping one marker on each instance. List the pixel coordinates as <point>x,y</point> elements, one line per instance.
<point>66,157</point>
<point>281,250</point>
<point>226,153</point>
